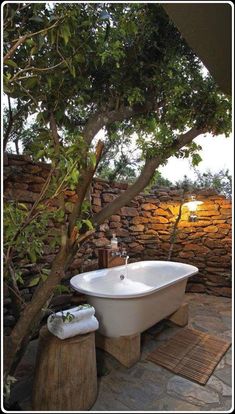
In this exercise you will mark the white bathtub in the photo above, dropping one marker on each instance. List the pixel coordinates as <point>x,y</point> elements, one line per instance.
<point>150,291</point>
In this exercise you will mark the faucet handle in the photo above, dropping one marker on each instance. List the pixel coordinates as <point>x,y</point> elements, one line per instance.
<point>115,253</point>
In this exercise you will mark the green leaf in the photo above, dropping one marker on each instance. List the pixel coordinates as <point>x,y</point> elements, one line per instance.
<point>10,62</point>
<point>42,116</point>
<point>40,153</point>
<point>37,19</point>
<point>44,277</point>
<point>196,159</point>
<point>61,289</point>
<point>34,50</point>
<point>88,224</point>
<point>52,36</point>
<point>19,277</point>
<point>23,206</point>
<point>93,158</point>
<point>34,281</point>
<point>60,215</point>
<point>59,115</point>
<point>65,33</point>
<point>46,271</point>
<point>31,82</point>
<point>79,58</point>
<point>6,87</point>
<point>69,207</point>
<point>32,256</point>
<point>30,42</point>
<point>49,81</point>
<point>73,71</point>
<point>74,176</point>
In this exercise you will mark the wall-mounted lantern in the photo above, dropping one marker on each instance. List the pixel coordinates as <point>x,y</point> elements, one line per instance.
<point>192,206</point>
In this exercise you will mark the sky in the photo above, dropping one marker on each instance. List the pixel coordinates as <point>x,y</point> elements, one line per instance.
<point>217,153</point>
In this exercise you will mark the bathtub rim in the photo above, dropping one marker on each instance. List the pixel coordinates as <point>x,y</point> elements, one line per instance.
<point>194,270</point>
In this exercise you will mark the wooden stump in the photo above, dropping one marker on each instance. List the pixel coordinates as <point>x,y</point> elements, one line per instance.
<point>65,373</point>
<point>180,317</point>
<point>126,349</point>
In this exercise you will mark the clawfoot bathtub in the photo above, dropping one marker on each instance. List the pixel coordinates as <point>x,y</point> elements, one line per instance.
<point>130,299</point>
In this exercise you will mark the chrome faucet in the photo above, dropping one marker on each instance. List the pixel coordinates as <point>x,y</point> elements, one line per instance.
<point>119,253</point>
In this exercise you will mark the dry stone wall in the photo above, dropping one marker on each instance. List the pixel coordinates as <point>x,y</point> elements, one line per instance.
<point>143,227</point>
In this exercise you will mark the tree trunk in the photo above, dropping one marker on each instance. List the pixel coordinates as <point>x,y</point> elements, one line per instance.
<point>21,332</point>
<point>29,316</point>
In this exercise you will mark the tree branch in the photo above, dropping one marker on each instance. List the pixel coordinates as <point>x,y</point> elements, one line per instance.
<point>34,69</point>
<point>175,227</point>
<point>82,187</point>
<point>22,329</point>
<point>55,135</point>
<point>145,176</point>
<point>57,146</point>
<point>100,119</point>
<point>22,39</point>
<point>9,126</point>
<point>12,50</point>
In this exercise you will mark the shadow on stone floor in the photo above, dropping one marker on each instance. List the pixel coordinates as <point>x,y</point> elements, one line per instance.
<point>146,386</point>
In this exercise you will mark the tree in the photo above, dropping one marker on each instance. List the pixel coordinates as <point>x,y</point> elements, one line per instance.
<point>221,181</point>
<point>13,124</point>
<point>119,159</point>
<point>87,67</point>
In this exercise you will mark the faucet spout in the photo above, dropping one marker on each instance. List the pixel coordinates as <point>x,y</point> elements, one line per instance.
<point>127,257</point>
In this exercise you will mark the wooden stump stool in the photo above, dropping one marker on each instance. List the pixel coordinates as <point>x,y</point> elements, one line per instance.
<point>65,373</point>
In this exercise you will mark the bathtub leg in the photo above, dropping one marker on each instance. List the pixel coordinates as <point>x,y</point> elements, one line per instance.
<point>126,349</point>
<point>180,317</point>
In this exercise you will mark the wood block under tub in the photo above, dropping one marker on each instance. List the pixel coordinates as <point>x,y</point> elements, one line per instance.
<point>180,317</point>
<point>126,349</point>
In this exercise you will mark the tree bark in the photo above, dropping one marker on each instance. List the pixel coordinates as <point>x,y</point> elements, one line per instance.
<point>101,119</point>
<point>83,184</point>
<point>175,227</point>
<point>29,315</point>
<point>9,126</point>
<point>12,50</point>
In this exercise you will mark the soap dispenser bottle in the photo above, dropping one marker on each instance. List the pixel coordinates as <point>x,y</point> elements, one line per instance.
<point>114,242</point>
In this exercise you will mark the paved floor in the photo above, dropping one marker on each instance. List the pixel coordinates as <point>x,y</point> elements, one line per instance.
<point>146,386</point>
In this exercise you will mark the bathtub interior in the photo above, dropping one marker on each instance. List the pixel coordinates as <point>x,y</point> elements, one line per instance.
<point>141,278</point>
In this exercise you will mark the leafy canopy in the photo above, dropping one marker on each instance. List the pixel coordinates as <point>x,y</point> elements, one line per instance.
<point>80,59</point>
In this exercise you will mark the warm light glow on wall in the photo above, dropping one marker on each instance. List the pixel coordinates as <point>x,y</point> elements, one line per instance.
<point>192,206</point>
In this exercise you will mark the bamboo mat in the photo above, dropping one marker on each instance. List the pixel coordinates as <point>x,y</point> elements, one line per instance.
<point>191,354</point>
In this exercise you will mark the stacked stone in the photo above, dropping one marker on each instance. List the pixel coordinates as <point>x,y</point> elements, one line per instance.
<point>23,178</point>
<point>144,227</point>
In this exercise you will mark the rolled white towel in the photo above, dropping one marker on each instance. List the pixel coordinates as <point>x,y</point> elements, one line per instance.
<point>74,314</point>
<point>67,330</point>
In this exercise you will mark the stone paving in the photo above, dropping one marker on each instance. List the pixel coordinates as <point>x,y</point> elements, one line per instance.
<point>147,386</point>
